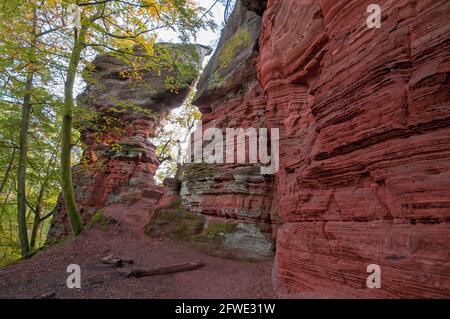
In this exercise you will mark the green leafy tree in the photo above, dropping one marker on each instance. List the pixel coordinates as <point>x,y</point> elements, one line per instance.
<point>22,69</point>
<point>41,55</point>
<point>173,138</point>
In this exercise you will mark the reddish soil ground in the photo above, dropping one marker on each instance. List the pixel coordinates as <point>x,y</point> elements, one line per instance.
<point>44,275</point>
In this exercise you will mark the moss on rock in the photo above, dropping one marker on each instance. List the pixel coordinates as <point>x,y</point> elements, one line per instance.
<point>101,220</point>
<point>215,236</point>
<point>175,223</point>
<point>215,231</point>
<point>200,171</point>
<point>231,48</point>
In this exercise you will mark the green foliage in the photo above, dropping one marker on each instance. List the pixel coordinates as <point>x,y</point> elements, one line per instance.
<point>180,224</point>
<point>101,220</point>
<point>24,51</point>
<point>216,230</point>
<point>173,137</point>
<point>42,173</point>
<point>233,46</point>
<point>35,39</point>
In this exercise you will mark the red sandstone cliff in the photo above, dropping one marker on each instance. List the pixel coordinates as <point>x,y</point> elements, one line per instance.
<point>230,96</point>
<point>364,116</point>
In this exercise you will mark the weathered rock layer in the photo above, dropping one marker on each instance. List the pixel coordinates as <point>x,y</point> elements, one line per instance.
<point>230,96</point>
<point>124,106</point>
<point>364,116</point>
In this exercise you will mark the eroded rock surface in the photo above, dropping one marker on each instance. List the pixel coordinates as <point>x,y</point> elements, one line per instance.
<point>364,116</point>
<point>125,105</point>
<point>364,119</point>
<point>230,96</point>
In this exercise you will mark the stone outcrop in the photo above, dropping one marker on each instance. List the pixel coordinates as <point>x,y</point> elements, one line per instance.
<point>364,172</point>
<point>364,116</point>
<point>230,96</point>
<point>123,107</point>
<point>212,235</point>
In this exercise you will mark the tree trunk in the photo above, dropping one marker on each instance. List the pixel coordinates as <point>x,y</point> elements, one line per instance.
<point>21,175</point>
<point>23,148</point>
<point>66,134</point>
<point>37,216</point>
<point>34,230</point>
<point>163,270</point>
<point>8,170</point>
<point>38,207</point>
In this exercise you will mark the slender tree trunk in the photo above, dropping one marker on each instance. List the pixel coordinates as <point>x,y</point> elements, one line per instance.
<point>34,230</point>
<point>21,175</point>
<point>23,148</point>
<point>5,201</point>
<point>8,170</point>
<point>38,219</point>
<point>66,134</point>
<point>37,216</point>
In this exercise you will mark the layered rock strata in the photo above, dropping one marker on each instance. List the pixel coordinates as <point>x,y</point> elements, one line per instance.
<point>364,116</point>
<point>230,96</point>
<point>124,106</point>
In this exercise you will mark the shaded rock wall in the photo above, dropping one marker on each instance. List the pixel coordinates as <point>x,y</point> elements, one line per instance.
<point>119,161</point>
<point>364,116</point>
<point>230,96</point>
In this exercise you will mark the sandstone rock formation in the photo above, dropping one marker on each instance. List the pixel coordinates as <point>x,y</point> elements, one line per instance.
<point>364,119</point>
<point>364,116</point>
<point>119,161</point>
<point>230,96</point>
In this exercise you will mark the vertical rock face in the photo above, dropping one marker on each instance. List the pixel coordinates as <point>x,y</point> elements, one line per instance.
<point>119,161</point>
<point>364,116</point>
<point>230,96</point>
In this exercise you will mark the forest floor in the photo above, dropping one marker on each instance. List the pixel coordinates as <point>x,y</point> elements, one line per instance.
<point>44,275</point>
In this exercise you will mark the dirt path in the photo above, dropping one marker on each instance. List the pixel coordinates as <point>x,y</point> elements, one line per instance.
<point>45,275</point>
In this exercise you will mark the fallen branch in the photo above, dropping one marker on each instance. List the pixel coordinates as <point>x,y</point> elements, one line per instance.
<point>163,270</point>
<point>115,261</point>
